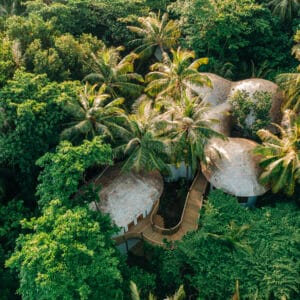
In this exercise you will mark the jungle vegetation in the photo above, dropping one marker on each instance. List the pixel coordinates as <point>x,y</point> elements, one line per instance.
<point>85,84</point>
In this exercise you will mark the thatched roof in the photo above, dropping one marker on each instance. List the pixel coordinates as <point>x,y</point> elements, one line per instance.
<point>220,113</point>
<point>222,90</point>
<point>256,84</point>
<point>216,94</point>
<point>127,195</point>
<point>232,167</point>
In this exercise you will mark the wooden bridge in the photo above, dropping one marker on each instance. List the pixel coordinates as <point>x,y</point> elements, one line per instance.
<point>148,230</point>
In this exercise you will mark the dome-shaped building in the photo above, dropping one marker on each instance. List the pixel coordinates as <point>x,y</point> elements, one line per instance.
<point>253,85</point>
<point>128,196</point>
<point>233,167</point>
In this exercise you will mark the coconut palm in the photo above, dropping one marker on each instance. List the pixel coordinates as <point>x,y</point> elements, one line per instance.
<point>9,7</point>
<point>190,130</point>
<point>116,73</point>
<point>285,9</point>
<point>290,82</point>
<point>281,155</point>
<point>144,146</point>
<point>94,114</point>
<point>156,34</point>
<point>173,77</point>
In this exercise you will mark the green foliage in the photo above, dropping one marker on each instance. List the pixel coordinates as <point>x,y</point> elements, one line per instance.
<point>67,57</point>
<point>76,53</point>
<point>64,170</point>
<point>189,131</point>
<point>281,155</point>
<point>144,280</point>
<point>43,49</point>
<point>172,77</point>
<point>10,7</point>
<point>45,61</point>
<point>10,216</point>
<point>233,31</point>
<point>7,64</point>
<point>290,82</point>
<point>102,18</point>
<point>143,147</point>
<point>28,29</point>
<point>157,34</point>
<point>135,294</point>
<point>68,253</point>
<point>251,112</point>
<point>67,256</point>
<point>260,248</point>
<point>286,10</point>
<point>93,114</point>
<point>31,114</point>
<point>116,73</point>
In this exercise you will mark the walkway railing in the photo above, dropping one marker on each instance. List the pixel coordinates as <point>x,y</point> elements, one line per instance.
<point>154,234</point>
<point>174,229</point>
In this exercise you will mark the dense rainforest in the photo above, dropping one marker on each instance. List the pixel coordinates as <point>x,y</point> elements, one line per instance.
<point>83,85</point>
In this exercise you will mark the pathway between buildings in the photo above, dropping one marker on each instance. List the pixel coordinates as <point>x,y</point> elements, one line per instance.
<point>143,229</point>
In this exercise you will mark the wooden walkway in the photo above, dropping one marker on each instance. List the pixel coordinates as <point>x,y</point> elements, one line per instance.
<point>143,229</point>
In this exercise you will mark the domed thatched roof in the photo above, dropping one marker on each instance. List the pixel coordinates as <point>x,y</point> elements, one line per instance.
<point>232,167</point>
<point>127,195</point>
<point>216,94</point>
<point>220,113</point>
<point>253,85</point>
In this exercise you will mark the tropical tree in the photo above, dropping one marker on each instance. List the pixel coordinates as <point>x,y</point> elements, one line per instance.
<point>144,146</point>
<point>290,82</point>
<point>234,34</point>
<point>285,9</point>
<point>173,77</point>
<point>281,155</point>
<point>93,113</point>
<point>116,73</point>
<point>9,7</point>
<point>68,254</point>
<point>64,171</point>
<point>157,34</point>
<point>189,130</point>
<point>269,271</point>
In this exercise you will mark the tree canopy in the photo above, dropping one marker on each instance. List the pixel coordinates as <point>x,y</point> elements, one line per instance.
<point>67,256</point>
<point>85,84</point>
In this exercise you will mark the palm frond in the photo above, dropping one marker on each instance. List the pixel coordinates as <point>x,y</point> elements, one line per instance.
<point>135,295</point>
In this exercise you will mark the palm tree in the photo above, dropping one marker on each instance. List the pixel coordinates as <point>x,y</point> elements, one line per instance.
<point>116,73</point>
<point>173,77</point>
<point>144,146</point>
<point>135,294</point>
<point>190,130</point>
<point>157,34</point>
<point>281,155</point>
<point>290,82</point>
<point>93,114</point>
<point>285,9</point>
<point>9,7</point>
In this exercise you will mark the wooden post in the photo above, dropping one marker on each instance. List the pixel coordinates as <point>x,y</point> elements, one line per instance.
<point>126,244</point>
<point>142,237</point>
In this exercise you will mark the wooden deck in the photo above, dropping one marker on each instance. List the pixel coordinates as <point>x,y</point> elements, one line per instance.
<point>143,228</point>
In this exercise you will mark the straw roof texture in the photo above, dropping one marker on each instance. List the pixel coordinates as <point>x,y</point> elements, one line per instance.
<point>232,167</point>
<point>257,84</point>
<point>220,113</point>
<point>127,195</point>
<point>215,95</point>
<point>218,96</point>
